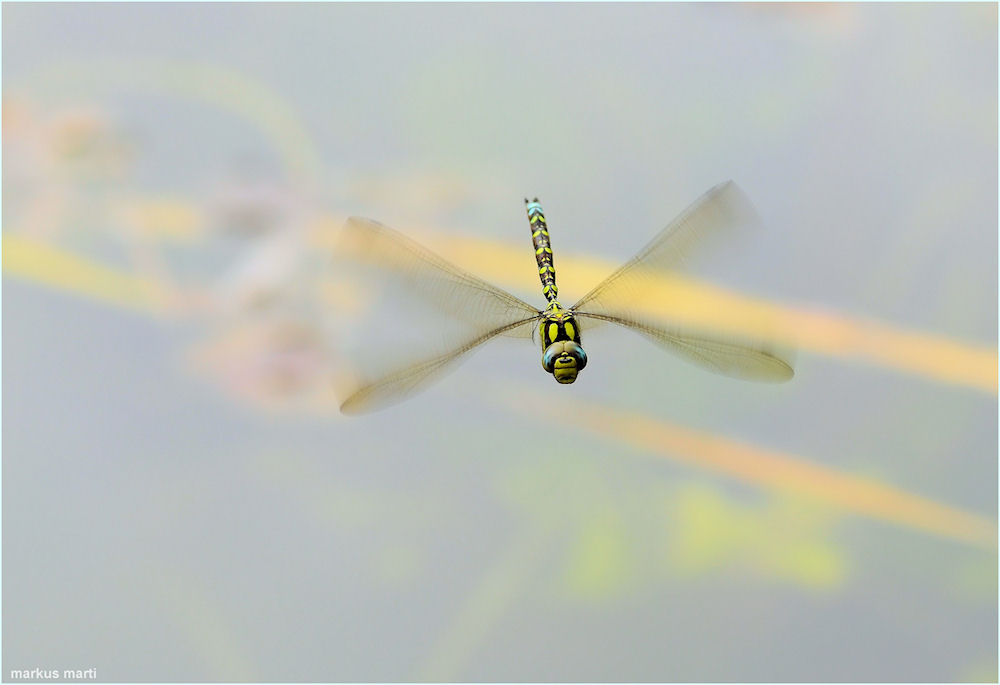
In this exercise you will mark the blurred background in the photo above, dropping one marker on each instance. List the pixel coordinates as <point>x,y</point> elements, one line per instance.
<point>182,500</point>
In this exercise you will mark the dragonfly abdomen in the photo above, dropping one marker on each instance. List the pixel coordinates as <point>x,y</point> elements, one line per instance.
<point>543,249</point>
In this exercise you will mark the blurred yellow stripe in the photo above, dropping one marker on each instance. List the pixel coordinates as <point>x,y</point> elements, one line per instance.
<point>684,300</point>
<point>771,470</point>
<point>714,308</point>
<point>29,259</point>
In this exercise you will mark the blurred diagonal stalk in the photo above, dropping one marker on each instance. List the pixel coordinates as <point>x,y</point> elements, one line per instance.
<point>770,469</point>
<point>719,309</point>
<point>40,263</point>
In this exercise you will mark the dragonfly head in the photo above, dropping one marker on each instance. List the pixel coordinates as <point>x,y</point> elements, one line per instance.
<point>564,360</point>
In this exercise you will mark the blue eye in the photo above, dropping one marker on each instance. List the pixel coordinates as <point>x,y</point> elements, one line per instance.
<point>549,358</point>
<point>578,353</point>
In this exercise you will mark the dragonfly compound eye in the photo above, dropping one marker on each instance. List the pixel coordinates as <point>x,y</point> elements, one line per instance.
<point>575,350</point>
<point>550,355</point>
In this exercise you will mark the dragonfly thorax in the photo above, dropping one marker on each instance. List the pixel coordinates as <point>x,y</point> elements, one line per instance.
<point>562,354</point>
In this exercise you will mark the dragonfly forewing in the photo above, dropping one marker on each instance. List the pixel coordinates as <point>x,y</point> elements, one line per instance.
<point>721,211</point>
<point>623,297</point>
<point>456,293</point>
<point>436,314</point>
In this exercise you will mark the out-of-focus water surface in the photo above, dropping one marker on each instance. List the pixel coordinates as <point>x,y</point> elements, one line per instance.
<point>182,500</point>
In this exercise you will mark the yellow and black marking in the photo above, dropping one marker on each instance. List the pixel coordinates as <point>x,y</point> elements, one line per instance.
<point>543,249</point>
<point>562,354</point>
<point>558,325</point>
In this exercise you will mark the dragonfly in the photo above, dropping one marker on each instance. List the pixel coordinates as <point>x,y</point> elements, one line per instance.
<point>487,312</point>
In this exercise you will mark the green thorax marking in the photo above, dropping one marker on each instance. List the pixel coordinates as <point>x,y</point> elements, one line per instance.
<point>557,324</point>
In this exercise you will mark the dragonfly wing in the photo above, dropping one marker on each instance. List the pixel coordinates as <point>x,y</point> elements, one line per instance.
<point>424,274</point>
<point>729,357</point>
<point>431,315</point>
<point>621,297</point>
<point>400,384</point>
<point>722,209</point>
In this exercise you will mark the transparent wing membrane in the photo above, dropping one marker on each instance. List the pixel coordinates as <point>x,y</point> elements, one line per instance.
<point>721,211</point>
<point>436,314</point>
<point>736,358</point>
<point>397,385</point>
<point>429,276</point>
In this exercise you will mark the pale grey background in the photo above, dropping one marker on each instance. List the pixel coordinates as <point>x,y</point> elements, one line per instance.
<point>159,529</point>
